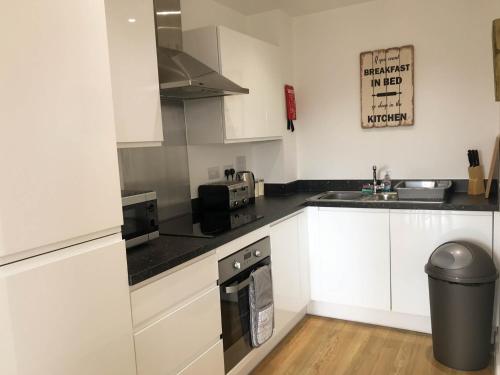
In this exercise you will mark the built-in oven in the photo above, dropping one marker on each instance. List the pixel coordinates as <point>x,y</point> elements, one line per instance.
<point>234,280</point>
<point>140,217</point>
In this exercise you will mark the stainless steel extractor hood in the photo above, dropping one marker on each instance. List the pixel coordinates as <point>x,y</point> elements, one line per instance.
<point>181,75</point>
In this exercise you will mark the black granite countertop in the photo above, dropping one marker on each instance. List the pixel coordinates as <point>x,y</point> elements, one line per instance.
<point>167,252</point>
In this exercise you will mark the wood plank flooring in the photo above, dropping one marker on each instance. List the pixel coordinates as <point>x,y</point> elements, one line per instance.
<point>329,346</point>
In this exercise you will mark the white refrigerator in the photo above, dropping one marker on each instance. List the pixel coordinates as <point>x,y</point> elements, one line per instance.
<point>64,297</point>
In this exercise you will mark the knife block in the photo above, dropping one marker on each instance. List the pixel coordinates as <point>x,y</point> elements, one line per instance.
<point>476,181</point>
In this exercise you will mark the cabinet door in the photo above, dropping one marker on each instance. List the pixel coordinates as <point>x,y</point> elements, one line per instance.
<point>254,64</point>
<point>250,63</point>
<point>290,293</point>
<point>67,312</point>
<point>134,71</point>
<point>171,343</point>
<point>350,263</point>
<point>211,362</point>
<point>414,236</point>
<point>58,156</point>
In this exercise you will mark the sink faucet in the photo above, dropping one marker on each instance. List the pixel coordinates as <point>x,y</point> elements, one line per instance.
<point>375,185</point>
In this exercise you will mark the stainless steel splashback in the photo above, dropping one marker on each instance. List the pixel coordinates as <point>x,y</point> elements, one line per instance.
<point>162,169</point>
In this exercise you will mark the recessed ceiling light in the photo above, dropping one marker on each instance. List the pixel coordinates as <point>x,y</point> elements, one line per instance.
<point>131,20</point>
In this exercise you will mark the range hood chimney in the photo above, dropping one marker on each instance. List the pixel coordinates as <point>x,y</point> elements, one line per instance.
<point>181,75</point>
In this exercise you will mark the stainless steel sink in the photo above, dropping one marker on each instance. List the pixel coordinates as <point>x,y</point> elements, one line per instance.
<point>423,190</point>
<point>341,196</point>
<point>384,197</point>
<point>353,196</point>
<point>357,196</point>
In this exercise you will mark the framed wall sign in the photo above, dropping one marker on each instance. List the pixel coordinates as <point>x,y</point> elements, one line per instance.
<point>387,87</point>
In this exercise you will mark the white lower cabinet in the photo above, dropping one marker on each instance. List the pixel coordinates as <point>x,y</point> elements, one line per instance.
<point>67,312</point>
<point>177,322</point>
<point>289,267</point>
<point>208,363</point>
<point>414,236</point>
<point>167,345</point>
<point>350,259</point>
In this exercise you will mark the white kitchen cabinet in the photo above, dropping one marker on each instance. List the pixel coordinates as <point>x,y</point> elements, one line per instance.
<point>177,321</point>
<point>134,72</point>
<point>58,158</point>
<point>169,291</point>
<point>208,363</point>
<point>168,345</point>
<point>67,312</point>
<point>250,63</point>
<point>414,236</point>
<point>289,268</point>
<point>350,261</point>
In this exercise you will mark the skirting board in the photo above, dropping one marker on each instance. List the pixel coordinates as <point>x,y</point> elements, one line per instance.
<point>371,316</point>
<point>251,361</point>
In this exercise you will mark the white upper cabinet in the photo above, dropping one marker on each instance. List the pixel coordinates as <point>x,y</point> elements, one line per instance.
<point>350,262</point>
<point>414,236</point>
<point>250,63</point>
<point>134,72</point>
<point>58,162</point>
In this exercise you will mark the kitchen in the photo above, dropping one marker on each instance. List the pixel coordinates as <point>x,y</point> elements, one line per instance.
<point>102,93</point>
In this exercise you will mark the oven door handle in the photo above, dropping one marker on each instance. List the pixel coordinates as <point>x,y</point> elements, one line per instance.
<point>235,288</point>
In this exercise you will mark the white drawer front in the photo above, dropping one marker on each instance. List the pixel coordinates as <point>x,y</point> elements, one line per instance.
<point>164,294</point>
<point>178,338</point>
<point>211,362</point>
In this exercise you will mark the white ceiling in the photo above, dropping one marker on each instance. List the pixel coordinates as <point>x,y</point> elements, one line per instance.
<point>292,7</point>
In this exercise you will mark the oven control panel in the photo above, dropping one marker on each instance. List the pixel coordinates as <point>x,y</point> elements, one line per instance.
<point>243,259</point>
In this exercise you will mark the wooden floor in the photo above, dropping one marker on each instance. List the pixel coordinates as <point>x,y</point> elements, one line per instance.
<point>328,346</point>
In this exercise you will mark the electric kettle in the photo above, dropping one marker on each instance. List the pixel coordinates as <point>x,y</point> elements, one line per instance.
<point>249,178</point>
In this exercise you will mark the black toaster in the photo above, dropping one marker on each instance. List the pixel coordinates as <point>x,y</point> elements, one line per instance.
<point>224,195</point>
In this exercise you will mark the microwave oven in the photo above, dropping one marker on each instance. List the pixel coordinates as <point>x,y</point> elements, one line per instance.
<point>140,217</point>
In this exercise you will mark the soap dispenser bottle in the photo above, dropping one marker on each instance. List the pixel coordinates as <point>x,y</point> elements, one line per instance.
<point>387,181</point>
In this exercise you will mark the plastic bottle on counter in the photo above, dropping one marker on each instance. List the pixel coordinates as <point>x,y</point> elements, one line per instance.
<point>387,181</point>
<point>257,188</point>
<point>261,187</point>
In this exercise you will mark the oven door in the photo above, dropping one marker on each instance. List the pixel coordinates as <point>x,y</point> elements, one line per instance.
<point>139,221</point>
<point>235,311</point>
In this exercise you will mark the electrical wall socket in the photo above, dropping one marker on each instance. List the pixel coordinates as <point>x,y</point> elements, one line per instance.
<point>213,173</point>
<point>227,167</point>
<point>241,163</point>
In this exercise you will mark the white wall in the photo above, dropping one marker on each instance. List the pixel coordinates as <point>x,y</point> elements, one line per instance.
<point>274,161</point>
<point>454,94</point>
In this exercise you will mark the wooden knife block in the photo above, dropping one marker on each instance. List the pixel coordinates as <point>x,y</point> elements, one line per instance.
<point>476,181</point>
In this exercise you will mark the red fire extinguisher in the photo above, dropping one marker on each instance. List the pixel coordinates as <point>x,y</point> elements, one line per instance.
<point>291,110</point>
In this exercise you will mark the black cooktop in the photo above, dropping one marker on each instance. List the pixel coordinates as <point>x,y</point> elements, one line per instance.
<point>206,224</point>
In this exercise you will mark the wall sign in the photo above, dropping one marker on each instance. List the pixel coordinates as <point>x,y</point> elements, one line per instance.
<point>496,57</point>
<point>387,87</point>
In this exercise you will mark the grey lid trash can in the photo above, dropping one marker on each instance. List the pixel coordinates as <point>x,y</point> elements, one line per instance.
<point>461,291</point>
